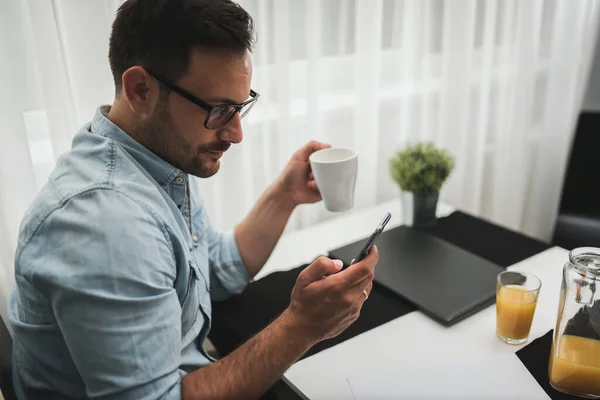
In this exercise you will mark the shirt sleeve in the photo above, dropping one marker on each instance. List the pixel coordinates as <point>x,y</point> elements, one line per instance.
<point>228,274</point>
<point>106,266</point>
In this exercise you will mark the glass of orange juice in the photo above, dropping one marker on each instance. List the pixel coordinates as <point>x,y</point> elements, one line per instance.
<point>516,299</point>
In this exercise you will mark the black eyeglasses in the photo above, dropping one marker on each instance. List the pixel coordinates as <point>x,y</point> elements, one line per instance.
<point>218,115</point>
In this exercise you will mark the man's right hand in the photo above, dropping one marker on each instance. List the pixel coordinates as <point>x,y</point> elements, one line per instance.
<point>326,301</point>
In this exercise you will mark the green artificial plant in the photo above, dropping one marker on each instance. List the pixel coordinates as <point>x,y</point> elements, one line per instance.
<point>421,168</point>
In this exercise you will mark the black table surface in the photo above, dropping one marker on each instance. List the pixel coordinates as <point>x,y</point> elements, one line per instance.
<point>236,320</point>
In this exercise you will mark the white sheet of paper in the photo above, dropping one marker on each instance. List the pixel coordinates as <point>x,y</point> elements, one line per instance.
<point>497,377</point>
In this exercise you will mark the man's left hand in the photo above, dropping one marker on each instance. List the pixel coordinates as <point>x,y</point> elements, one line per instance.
<point>297,180</point>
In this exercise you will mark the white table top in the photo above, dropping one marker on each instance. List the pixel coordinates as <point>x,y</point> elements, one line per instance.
<point>413,339</point>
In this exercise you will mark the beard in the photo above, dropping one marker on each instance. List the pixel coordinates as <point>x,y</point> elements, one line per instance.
<point>162,139</point>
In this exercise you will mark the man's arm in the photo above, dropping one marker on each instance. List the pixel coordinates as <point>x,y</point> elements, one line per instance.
<point>258,234</point>
<point>250,370</point>
<point>320,308</point>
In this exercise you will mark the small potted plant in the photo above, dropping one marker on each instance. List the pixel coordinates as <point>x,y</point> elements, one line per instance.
<point>420,171</point>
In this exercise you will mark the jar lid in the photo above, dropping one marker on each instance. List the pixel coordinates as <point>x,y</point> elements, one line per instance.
<point>586,259</point>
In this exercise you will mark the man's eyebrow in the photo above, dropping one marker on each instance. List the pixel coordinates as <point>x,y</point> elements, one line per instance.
<point>221,100</point>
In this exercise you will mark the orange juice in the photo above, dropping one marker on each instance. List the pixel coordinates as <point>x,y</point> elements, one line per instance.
<point>515,307</point>
<point>576,367</point>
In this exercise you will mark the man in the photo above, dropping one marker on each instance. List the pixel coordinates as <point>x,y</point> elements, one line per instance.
<point>117,262</point>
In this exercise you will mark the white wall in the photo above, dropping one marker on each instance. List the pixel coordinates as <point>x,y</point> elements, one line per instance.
<point>592,98</point>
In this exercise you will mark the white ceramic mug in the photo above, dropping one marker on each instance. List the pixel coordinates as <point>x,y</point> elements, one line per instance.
<point>335,170</point>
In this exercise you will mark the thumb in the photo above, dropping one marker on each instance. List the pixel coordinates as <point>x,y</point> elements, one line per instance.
<point>321,267</point>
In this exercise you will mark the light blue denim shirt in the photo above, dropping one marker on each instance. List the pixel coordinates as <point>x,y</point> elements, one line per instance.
<point>115,270</point>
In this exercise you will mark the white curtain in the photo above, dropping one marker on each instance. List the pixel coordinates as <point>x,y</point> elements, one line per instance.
<point>499,83</point>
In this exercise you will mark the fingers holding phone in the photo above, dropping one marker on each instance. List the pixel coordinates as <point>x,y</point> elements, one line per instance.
<point>358,276</point>
<point>325,307</point>
<point>328,298</point>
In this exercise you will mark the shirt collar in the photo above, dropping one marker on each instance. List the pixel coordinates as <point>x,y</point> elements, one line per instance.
<point>161,170</point>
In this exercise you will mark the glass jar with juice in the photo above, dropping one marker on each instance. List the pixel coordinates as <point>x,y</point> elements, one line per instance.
<point>574,365</point>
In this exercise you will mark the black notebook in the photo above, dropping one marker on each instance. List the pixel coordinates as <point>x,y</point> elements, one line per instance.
<point>442,280</point>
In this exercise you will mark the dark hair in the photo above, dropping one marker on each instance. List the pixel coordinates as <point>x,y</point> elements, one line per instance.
<point>160,34</point>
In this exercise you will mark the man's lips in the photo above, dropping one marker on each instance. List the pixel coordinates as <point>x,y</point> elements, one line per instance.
<point>217,154</point>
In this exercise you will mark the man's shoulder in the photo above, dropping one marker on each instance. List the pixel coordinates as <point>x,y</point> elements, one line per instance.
<point>100,227</point>
<point>95,209</point>
<point>93,181</point>
<point>96,161</point>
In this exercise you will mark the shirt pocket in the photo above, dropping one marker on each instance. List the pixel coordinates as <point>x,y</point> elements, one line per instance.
<point>203,286</point>
<point>191,302</point>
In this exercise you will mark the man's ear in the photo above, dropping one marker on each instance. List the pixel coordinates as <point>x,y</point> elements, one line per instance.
<point>140,90</point>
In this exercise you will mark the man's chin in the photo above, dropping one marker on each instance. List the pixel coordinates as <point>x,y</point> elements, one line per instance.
<point>207,169</point>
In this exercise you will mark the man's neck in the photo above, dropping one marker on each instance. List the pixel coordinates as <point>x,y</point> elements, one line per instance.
<point>118,116</point>
<point>121,115</point>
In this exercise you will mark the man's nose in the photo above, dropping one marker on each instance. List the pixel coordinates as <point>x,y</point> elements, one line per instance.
<point>232,130</point>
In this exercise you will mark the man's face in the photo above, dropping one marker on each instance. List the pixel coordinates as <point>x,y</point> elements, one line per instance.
<point>177,124</point>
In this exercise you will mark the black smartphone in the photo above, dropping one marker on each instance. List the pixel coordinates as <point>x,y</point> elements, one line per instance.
<point>371,241</point>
